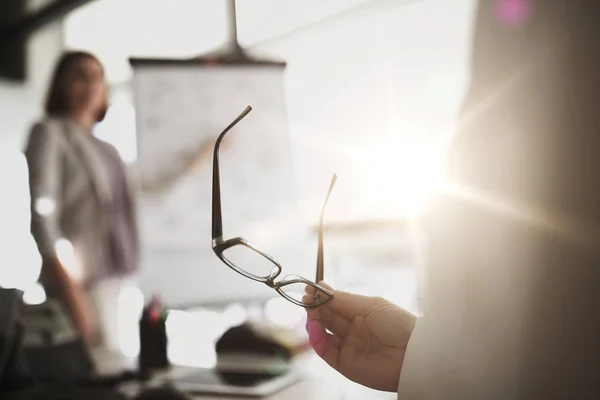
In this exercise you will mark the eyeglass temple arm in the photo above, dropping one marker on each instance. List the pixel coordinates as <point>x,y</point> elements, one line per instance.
<point>320,267</point>
<point>217,215</point>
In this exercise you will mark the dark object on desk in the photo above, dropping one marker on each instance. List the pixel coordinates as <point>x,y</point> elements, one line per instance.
<point>52,349</point>
<point>42,357</point>
<point>153,339</point>
<point>162,393</point>
<point>65,392</point>
<point>39,345</point>
<point>249,340</point>
<point>244,378</point>
<point>12,369</point>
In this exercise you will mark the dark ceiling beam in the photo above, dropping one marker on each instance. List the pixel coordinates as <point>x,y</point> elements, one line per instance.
<point>16,26</point>
<point>30,22</point>
<point>11,10</point>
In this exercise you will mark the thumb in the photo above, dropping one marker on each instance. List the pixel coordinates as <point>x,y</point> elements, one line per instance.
<point>349,305</point>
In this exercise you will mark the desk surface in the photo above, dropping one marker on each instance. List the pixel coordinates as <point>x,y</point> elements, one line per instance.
<point>321,382</point>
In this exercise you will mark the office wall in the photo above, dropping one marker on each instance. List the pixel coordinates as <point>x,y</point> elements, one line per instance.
<point>366,80</point>
<point>371,94</point>
<point>115,30</point>
<point>21,103</point>
<point>371,86</point>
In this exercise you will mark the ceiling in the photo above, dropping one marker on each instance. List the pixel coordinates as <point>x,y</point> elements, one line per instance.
<point>18,20</point>
<point>9,11</point>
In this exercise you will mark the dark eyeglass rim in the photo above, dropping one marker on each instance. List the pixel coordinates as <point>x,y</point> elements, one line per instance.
<point>220,245</point>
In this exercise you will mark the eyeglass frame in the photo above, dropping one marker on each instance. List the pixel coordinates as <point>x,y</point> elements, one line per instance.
<point>219,245</point>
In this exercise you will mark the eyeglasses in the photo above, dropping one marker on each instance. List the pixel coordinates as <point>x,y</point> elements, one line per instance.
<point>247,260</point>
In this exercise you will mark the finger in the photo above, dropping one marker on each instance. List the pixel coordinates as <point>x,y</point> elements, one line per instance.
<point>311,295</point>
<point>308,299</point>
<point>332,321</point>
<point>326,346</point>
<point>312,314</point>
<point>348,305</point>
<point>326,286</point>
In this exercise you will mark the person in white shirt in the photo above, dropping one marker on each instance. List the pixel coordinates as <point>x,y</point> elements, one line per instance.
<point>512,295</point>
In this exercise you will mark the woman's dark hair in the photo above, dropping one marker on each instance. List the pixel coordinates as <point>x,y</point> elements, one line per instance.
<point>57,102</point>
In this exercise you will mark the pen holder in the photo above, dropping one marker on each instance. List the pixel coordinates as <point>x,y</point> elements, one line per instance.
<point>153,342</point>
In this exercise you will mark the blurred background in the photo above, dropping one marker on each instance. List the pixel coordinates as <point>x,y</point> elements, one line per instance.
<point>371,89</point>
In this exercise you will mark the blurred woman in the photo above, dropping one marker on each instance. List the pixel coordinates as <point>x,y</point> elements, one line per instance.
<point>83,215</point>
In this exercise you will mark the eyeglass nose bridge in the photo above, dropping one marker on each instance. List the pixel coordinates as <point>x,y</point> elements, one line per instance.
<point>270,282</point>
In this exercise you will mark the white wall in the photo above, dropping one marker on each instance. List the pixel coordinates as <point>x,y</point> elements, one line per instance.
<point>159,28</point>
<point>368,90</point>
<point>370,95</point>
<point>20,105</point>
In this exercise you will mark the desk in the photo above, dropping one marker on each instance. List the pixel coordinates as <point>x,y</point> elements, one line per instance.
<point>321,382</point>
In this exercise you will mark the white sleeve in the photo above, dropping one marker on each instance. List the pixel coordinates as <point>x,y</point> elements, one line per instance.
<point>414,376</point>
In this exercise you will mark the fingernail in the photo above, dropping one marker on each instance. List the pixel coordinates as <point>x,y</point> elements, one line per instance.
<point>316,333</point>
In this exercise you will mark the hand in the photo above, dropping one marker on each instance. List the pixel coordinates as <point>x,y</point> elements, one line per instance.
<point>76,300</point>
<point>83,314</point>
<point>368,338</point>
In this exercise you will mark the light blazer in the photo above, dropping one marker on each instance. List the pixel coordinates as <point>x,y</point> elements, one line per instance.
<point>70,192</point>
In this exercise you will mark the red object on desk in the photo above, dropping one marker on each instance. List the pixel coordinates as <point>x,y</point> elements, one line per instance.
<point>155,309</point>
<point>154,315</point>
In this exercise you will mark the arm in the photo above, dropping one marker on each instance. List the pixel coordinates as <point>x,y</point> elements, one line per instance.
<point>43,153</point>
<point>414,373</point>
<point>184,164</point>
<point>133,184</point>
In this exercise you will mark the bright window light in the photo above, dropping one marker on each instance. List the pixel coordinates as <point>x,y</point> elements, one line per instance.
<point>34,295</point>
<point>131,304</point>
<point>68,259</point>
<point>192,336</point>
<point>403,172</point>
<point>235,314</point>
<point>45,206</point>
<point>22,262</point>
<point>280,311</point>
<point>118,126</point>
